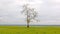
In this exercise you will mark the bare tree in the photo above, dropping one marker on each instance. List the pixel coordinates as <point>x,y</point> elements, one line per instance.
<point>30,13</point>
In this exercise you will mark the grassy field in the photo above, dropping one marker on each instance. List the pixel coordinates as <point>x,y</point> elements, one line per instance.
<point>31,30</point>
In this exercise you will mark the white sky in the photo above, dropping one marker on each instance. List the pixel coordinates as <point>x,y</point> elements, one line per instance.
<point>49,11</point>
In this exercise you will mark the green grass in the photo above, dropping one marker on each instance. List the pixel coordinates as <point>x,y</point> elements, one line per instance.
<point>31,30</point>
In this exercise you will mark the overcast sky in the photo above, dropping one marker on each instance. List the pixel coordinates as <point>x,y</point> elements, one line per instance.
<point>49,11</point>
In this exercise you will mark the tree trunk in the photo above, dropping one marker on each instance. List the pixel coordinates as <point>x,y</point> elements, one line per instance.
<point>27,25</point>
<point>28,21</point>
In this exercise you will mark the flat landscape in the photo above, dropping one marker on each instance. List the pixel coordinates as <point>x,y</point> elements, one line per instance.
<point>31,30</point>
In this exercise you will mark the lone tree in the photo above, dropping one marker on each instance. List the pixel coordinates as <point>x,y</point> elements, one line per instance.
<point>30,13</point>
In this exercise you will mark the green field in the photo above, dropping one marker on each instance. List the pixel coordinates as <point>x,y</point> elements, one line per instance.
<point>31,30</point>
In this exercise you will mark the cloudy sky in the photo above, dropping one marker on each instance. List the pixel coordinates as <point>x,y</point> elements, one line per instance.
<point>49,11</point>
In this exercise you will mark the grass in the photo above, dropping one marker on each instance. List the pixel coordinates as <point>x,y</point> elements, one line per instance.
<point>31,30</point>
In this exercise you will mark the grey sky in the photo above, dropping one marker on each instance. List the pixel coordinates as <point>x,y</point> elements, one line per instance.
<point>49,11</point>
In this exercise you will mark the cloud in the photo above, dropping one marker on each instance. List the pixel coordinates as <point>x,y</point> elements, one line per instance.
<point>49,11</point>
